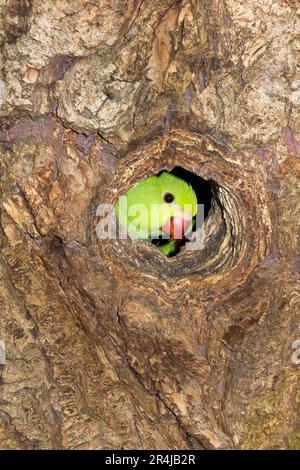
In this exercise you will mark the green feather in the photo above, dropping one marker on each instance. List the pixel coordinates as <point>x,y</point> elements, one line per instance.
<point>142,210</point>
<point>168,248</point>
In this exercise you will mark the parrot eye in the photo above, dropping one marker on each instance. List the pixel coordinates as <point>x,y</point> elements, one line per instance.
<point>168,198</point>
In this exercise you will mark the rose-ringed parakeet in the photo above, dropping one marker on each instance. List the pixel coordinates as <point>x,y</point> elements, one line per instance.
<point>159,207</point>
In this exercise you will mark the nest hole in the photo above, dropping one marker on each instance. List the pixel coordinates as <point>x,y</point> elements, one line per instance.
<point>228,230</point>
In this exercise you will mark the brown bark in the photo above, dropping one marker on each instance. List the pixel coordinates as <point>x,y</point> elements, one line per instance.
<point>109,344</point>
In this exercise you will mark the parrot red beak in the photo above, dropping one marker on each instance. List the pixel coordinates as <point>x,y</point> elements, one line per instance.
<point>176,227</point>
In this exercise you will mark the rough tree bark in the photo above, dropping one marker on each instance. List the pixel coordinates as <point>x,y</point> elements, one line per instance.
<point>108,343</point>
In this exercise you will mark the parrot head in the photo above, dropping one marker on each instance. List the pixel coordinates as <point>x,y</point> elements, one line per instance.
<point>162,205</point>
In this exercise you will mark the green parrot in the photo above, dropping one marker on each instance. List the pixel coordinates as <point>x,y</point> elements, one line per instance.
<point>159,208</point>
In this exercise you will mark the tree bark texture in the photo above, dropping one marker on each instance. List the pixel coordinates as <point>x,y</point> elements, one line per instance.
<point>109,344</point>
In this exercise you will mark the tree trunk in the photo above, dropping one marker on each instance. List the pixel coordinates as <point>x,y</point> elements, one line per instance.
<point>109,344</point>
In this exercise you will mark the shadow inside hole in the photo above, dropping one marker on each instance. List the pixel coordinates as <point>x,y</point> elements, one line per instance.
<point>204,193</point>
<point>202,187</point>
